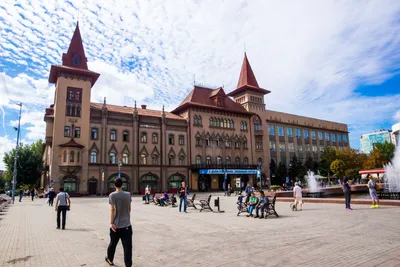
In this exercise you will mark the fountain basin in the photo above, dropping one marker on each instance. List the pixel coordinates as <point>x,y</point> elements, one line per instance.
<point>318,194</point>
<point>388,195</point>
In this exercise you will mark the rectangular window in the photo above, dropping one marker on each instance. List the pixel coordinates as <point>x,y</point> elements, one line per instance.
<point>345,138</point>
<point>207,142</point>
<point>339,137</point>
<point>300,149</point>
<point>313,135</point>
<point>314,148</point>
<point>125,136</point>
<point>306,134</point>
<point>113,135</point>
<point>171,161</point>
<point>67,131</point>
<point>271,129</point>
<point>171,140</point>
<point>95,133</point>
<point>259,145</point>
<point>290,132</point>
<point>333,136</point>
<point>308,147</point>
<point>298,132</point>
<point>181,140</point>
<point>327,137</point>
<point>227,143</point>
<point>155,160</point>
<point>320,136</point>
<point>74,95</point>
<point>77,132</point>
<point>282,147</point>
<point>155,138</point>
<point>143,137</point>
<point>281,131</point>
<point>291,147</point>
<point>321,149</point>
<point>272,146</point>
<point>218,143</point>
<point>198,141</point>
<point>182,161</point>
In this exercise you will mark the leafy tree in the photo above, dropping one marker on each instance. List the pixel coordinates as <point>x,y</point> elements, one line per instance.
<point>338,168</point>
<point>375,160</point>
<point>386,150</point>
<point>309,164</point>
<point>281,173</point>
<point>352,174</point>
<point>28,165</point>
<point>296,169</point>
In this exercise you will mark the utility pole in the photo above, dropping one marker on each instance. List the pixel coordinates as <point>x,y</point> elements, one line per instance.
<point>16,155</point>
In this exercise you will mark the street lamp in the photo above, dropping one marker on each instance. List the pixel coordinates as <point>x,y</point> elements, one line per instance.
<point>14,182</point>
<point>119,168</point>
<point>259,174</point>
<point>102,180</point>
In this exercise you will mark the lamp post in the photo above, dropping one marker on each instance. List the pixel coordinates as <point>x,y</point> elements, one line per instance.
<point>102,181</point>
<point>119,168</point>
<point>16,155</point>
<point>259,174</point>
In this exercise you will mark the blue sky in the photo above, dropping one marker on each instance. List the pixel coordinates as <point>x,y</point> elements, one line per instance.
<point>333,60</point>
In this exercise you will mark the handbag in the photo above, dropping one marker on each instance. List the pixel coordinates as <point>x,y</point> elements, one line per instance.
<point>65,196</point>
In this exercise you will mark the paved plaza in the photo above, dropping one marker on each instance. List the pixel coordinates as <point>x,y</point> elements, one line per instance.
<point>320,235</point>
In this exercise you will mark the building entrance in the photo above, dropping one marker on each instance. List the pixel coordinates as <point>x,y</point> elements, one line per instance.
<point>221,181</point>
<point>204,183</point>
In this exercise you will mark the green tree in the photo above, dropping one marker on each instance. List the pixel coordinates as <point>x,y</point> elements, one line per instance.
<point>296,170</point>
<point>309,164</point>
<point>28,165</point>
<point>338,168</point>
<point>386,150</point>
<point>375,160</point>
<point>281,173</point>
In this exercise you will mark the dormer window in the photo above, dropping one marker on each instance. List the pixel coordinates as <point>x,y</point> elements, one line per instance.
<point>76,60</point>
<point>219,102</point>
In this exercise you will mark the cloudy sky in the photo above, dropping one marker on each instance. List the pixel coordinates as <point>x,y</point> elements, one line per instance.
<point>334,60</point>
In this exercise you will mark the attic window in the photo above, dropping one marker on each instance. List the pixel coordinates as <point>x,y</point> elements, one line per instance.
<point>76,60</point>
<point>219,102</point>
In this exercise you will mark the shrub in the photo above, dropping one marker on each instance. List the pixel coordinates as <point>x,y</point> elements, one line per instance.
<point>274,187</point>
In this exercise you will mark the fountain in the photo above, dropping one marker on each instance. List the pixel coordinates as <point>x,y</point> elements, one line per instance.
<point>313,188</point>
<point>392,176</point>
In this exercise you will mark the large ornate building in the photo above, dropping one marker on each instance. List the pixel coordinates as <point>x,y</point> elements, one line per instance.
<point>211,137</point>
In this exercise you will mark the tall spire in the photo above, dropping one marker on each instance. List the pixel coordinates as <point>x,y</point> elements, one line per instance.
<point>246,75</point>
<point>75,57</point>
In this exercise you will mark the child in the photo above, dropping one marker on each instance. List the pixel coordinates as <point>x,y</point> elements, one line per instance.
<point>298,196</point>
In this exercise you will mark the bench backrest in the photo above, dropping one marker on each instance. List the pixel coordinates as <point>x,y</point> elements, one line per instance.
<point>207,198</point>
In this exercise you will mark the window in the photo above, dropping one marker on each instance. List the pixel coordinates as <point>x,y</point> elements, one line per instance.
<point>298,132</point>
<point>208,160</point>
<point>282,147</point>
<point>74,95</point>
<point>65,156</point>
<point>175,181</point>
<point>219,161</point>
<point>125,158</point>
<point>339,137</point>
<point>171,161</point>
<point>237,145</point>
<point>231,124</point>
<point>211,122</point>
<point>71,156</point>
<point>290,132</point>
<point>300,149</point>
<point>313,135</point>
<point>306,135</point>
<point>314,148</point>
<point>70,185</point>
<point>345,138</point>
<point>93,157</point>
<point>171,140</point>
<point>245,144</point>
<point>143,137</point>
<point>113,135</point>
<point>243,126</point>
<point>67,131</point>
<point>327,137</point>
<point>155,138</point>
<point>271,129</point>
<point>77,132</point>
<point>259,161</point>
<point>281,131</point>
<point>207,142</point>
<point>259,145</point>
<point>197,120</point>
<point>76,60</point>
<point>68,110</point>
<point>272,146</point>
<point>125,136</point>
<point>308,147</point>
<point>291,147</point>
<point>198,141</point>
<point>227,143</point>
<point>181,140</point>
<point>321,149</point>
<point>94,134</point>
<point>246,161</point>
<point>320,136</point>
<point>333,136</point>
<point>237,161</point>
<point>143,159</point>
<point>257,124</point>
<point>228,160</point>
<point>218,142</point>
<point>78,156</point>
<point>155,159</point>
<point>113,158</point>
<point>198,160</point>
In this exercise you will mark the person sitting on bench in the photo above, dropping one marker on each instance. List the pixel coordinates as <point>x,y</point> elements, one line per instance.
<point>163,199</point>
<point>251,204</point>
<point>262,204</point>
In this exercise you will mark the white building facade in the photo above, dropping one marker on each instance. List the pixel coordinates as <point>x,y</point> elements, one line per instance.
<point>367,141</point>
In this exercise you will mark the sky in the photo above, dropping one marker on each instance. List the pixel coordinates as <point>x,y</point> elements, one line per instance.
<point>332,60</point>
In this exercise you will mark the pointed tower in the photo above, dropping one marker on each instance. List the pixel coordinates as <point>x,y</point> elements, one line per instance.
<point>248,92</point>
<point>71,120</point>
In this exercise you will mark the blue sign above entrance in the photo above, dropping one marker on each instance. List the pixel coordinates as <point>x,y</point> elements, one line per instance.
<point>221,171</point>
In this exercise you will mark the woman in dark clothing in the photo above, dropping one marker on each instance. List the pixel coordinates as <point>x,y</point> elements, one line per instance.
<point>347,193</point>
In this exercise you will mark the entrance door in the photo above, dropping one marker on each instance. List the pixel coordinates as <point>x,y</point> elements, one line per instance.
<point>92,187</point>
<point>204,183</point>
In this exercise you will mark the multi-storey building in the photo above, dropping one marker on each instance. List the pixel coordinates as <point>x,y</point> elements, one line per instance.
<point>396,134</point>
<point>368,141</point>
<point>207,140</point>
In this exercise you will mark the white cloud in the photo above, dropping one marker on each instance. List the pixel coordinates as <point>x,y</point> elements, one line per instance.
<point>6,145</point>
<point>397,116</point>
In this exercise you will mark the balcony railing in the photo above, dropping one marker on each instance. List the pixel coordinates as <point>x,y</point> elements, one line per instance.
<point>223,166</point>
<point>258,132</point>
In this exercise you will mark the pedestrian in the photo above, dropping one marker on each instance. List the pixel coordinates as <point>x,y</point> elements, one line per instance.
<point>21,193</point>
<point>347,193</point>
<point>262,204</point>
<point>248,190</point>
<point>51,196</point>
<point>63,204</point>
<point>120,224</point>
<point>33,193</point>
<point>182,197</point>
<point>298,196</point>
<point>147,194</point>
<point>229,189</point>
<point>372,192</point>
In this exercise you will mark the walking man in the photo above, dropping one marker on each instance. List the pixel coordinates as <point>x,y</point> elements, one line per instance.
<point>182,197</point>
<point>51,196</point>
<point>347,193</point>
<point>33,193</point>
<point>21,193</point>
<point>63,204</point>
<point>298,196</point>
<point>120,224</point>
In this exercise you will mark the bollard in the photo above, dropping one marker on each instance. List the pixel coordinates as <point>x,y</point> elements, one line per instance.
<point>217,204</point>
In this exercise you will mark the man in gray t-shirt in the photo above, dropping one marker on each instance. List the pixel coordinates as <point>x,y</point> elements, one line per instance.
<point>120,223</point>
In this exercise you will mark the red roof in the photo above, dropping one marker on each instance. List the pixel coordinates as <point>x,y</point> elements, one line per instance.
<point>56,69</point>
<point>204,97</point>
<point>141,112</point>
<point>72,143</point>
<point>247,80</point>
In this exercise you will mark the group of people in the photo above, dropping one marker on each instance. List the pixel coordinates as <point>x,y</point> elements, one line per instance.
<point>372,188</point>
<point>183,193</point>
<point>28,193</point>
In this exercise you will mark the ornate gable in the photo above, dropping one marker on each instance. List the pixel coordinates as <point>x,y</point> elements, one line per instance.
<point>94,148</point>
<point>126,150</point>
<point>144,151</point>
<point>113,149</point>
<point>171,153</point>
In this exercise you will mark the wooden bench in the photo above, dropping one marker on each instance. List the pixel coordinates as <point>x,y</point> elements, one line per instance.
<point>203,202</point>
<point>190,202</point>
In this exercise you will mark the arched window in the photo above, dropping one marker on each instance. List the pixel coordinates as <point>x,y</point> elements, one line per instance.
<point>71,156</point>
<point>65,156</point>
<point>124,178</point>
<point>228,160</point>
<point>181,160</point>
<point>70,184</point>
<point>171,160</point>
<point>218,122</point>
<point>143,159</point>
<point>237,161</point>
<point>231,124</point>
<point>175,181</point>
<point>241,125</point>
<point>257,124</point>
<point>93,157</point>
<point>113,158</point>
<point>225,123</point>
<point>125,158</point>
<point>155,159</point>
<point>219,161</point>
<point>246,161</point>
<point>211,122</point>
<point>149,180</point>
<point>208,160</point>
<point>198,160</point>
<point>76,60</point>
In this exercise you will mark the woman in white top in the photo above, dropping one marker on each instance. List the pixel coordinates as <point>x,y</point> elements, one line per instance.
<point>147,192</point>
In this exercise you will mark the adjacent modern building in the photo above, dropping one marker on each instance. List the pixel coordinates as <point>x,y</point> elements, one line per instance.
<point>396,133</point>
<point>211,137</point>
<point>367,141</point>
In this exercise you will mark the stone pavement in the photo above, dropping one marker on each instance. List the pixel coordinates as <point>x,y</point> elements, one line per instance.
<point>320,235</point>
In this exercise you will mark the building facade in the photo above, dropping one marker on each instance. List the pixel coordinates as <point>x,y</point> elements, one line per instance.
<point>396,134</point>
<point>212,138</point>
<point>367,141</point>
